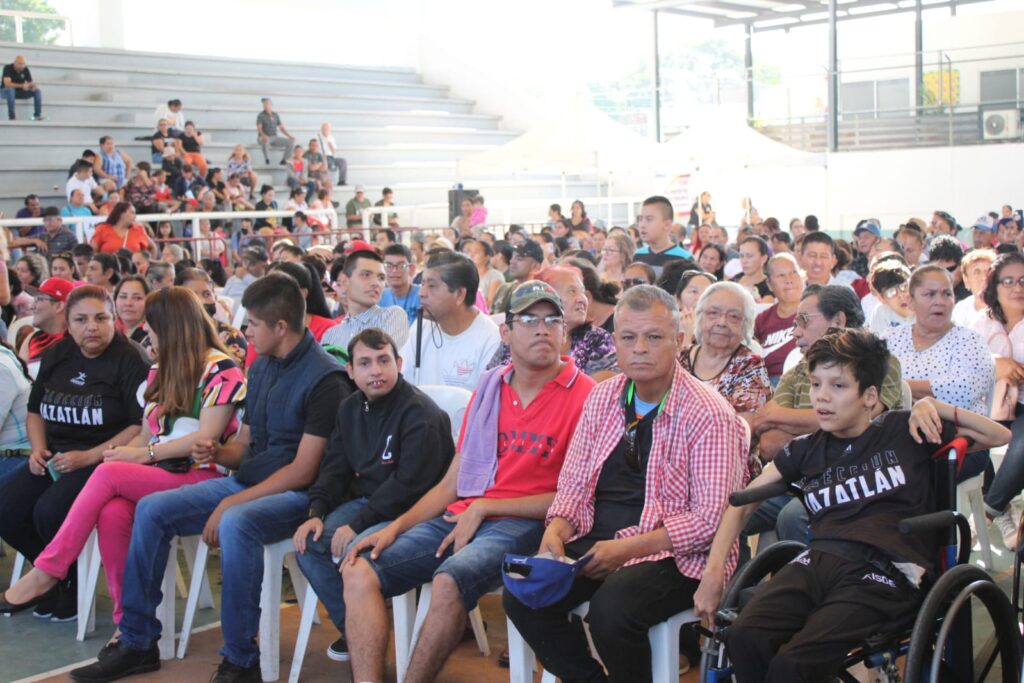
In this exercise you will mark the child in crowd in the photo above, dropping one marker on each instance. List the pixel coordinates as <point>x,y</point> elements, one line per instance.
<point>859,478</point>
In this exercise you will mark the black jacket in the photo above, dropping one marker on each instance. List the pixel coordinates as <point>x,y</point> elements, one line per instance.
<point>391,452</point>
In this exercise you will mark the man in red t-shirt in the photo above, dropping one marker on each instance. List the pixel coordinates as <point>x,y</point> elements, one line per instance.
<point>491,502</point>
<point>47,318</point>
<point>773,327</point>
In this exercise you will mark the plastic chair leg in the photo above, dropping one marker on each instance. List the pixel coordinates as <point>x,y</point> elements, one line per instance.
<point>194,592</point>
<point>302,640</point>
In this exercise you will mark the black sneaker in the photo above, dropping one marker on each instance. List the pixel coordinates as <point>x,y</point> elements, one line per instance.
<point>66,607</point>
<point>338,650</point>
<point>120,662</point>
<point>44,610</point>
<point>230,673</point>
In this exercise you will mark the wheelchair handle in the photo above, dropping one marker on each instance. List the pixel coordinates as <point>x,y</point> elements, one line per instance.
<point>756,494</point>
<point>933,521</point>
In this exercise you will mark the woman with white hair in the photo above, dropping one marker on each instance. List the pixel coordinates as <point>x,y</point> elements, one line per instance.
<point>721,356</point>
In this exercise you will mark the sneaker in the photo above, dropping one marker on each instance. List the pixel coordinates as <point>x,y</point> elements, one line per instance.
<point>1008,528</point>
<point>66,607</point>
<point>44,610</point>
<point>39,118</point>
<point>230,673</point>
<point>338,650</point>
<point>122,661</point>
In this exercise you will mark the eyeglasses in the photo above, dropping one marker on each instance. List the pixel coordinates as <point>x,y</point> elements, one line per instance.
<point>530,321</point>
<point>1009,282</point>
<point>633,281</point>
<point>898,289</point>
<point>396,266</point>
<point>610,250</point>
<point>804,319</point>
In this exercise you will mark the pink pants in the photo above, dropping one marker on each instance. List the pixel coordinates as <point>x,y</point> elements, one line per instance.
<point>108,503</point>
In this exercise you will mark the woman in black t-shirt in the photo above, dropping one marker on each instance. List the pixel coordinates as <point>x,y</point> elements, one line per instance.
<point>86,399</point>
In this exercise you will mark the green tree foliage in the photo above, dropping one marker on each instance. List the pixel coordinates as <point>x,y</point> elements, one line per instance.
<point>34,31</point>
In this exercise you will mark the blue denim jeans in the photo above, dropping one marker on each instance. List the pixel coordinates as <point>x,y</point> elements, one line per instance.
<point>411,560</point>
<point>244,530</point>
<point>10,95</point>
<point>319,566</point>
<point>8,465</point>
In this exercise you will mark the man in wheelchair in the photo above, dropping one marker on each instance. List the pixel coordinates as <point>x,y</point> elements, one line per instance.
<point>858,477</point>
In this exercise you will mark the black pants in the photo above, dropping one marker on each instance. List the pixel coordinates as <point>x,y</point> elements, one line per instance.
<point>33,508</point>
<point>805,620</point>
<point>622,608</point>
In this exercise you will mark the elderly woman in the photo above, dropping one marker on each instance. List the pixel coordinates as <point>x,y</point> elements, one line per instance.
<point>1002,327</point>
<point>975,268</point>
<point>890,280</point>
<point>616,255</point>
<point>691,285</point>
<point>591,347</point>
<point>721,357</point>
<point>773,327</point>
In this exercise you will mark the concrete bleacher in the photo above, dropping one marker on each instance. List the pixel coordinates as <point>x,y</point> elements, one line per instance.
<point>394,129</point>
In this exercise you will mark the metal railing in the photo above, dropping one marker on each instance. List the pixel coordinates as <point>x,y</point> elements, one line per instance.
<point>36,20</point>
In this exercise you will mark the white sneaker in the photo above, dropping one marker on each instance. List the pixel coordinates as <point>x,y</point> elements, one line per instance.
<point>1007,528</point>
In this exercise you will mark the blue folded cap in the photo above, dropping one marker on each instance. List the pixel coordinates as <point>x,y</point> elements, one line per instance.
<point>538,581</point>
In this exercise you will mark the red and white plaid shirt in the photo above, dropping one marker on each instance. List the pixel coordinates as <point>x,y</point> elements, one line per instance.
<point>698,457</point>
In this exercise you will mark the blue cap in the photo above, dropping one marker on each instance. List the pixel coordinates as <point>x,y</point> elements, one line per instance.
<point>985,224</point>
<point>538,581</point>
<point>869,226</point>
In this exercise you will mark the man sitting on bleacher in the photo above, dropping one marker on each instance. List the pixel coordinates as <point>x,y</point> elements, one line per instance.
<point>649,470</point>
<point>491,501</point>
<point>294,391</point>
<point>391,443</point>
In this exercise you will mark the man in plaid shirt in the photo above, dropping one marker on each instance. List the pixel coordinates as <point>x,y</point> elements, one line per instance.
<point>647,476</point>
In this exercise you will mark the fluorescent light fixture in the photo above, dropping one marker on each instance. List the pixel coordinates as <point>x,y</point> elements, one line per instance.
<point>871,9</point>
<point>790,7</point>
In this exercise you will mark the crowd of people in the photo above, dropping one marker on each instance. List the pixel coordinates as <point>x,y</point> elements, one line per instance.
<point>623,382</point>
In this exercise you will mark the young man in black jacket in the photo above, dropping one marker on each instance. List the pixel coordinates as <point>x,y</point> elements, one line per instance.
<point>390,445</point>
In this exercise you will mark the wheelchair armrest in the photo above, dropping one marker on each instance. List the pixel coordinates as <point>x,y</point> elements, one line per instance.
<point>756,494</point>
<point>933,521</point>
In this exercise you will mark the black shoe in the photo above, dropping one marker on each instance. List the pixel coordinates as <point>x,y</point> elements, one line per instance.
<point>338,650</point>
<point>266,161</point>
<point>107,649</point>
<point>66,606</point>
<point>121,661</point>
<point>230,673</point>
<point>10,608</point>
<point>284,163</point>
<point>503,659</point>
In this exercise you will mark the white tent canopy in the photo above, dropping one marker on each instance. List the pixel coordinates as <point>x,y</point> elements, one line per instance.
<point>729,143</point>
<point>575,139</point>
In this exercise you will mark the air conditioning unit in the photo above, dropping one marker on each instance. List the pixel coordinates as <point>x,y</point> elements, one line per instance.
<point>1000,124</point>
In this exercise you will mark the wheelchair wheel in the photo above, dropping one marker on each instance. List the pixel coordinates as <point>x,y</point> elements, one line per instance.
<point>934,638</point>
<point>762,565</point>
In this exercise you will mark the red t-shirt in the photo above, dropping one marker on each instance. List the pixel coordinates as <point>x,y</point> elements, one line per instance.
<point>106,240</point>
<point>532,443</point>
<point>775,335</point>
<point>318,325</point>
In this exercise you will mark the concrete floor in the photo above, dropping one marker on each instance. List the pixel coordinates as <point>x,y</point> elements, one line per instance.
<point>36,650</point>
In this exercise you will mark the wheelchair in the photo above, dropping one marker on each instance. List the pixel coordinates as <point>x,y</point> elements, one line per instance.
<point>937,644</point>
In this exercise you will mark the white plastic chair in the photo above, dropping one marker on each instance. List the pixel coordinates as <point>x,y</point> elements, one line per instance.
<point>452,400</point>
<point>970,497</point>
<point>19,569</point>
<point>274,555</point>
<point>409,616</point>
<point>664,639</point>
<point>239,320</point>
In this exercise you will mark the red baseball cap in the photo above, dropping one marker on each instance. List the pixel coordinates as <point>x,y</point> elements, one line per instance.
<point>358,245</point>
<point>57,288</point>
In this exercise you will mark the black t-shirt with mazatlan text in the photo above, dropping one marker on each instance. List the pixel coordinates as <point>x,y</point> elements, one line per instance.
<point>859,489</point>
<point>85,401</point>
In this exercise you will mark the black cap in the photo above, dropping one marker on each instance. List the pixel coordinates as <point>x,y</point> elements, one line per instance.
<point>530,249</point>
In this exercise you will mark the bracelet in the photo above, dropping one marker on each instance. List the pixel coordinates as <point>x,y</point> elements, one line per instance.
<point>150,452</point>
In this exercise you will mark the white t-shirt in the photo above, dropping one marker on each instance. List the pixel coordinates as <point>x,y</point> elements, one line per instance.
<point>964,313</point>
<point>177,119</point>
<point>453,361</point>
<point>884,318</point>
<point>86,186</point>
